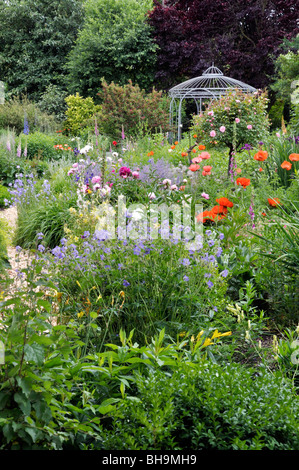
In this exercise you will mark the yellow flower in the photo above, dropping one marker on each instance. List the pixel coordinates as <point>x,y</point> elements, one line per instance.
<point>199,335</point>
<point>122,294</point>
<point>80,314</point>
<point>216,334</point>
<point>207,342</point>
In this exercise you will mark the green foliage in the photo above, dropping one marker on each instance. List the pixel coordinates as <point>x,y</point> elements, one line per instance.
<point>14,111</point>
<point>193,409</point>
<point>4,195</point>
<point>78,113</point>
<point>48,217</point>
<point>35,38</point>
<point>132,109</point>
<point>279,150</point>
<point>287,69</point>
<point>52,101</point>
<point>3,245</point>
<point>41,146</point>
<point>115,43</point>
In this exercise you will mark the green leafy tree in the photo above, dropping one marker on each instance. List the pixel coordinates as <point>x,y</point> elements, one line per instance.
<point>287,69</point>
<point>115,43</point>
<point>35,37</point>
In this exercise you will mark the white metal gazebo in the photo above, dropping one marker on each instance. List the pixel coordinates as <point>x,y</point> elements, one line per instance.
<point>211,85</point>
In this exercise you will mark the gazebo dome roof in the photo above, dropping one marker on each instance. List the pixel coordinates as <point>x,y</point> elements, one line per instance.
<point>211,83</point>
<point>210,86</point>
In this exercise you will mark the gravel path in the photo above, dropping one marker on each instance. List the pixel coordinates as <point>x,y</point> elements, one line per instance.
<point>20,262</point>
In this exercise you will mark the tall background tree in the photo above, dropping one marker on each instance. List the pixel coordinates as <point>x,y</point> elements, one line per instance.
<point>242,38</point>
<point>35,38</point>
<point>115,43</point>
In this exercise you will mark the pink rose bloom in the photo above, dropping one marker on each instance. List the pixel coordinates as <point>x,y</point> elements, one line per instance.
<point>96,179</point>
<point>173,187</point>
<point>277,134</point>
<point>222,129</point>
<point>211,113</point>
<point>205,155</point>
<point>237,120</point>
<point>249,127</point>
<point>205,195</point>
<point>197,159</point>
<point>213,134</point>
<point>135,174</point>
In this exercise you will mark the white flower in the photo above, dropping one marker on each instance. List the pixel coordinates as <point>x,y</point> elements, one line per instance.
<point>166,182</point>
<point>173,187</point>
<point>86,149</point>
<point>152,195</point>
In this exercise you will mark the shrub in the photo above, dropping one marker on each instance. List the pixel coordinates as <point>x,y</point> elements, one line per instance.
<point>52,102</point>
<point>130,108</point>
<point>205,406</point>
<point>78,113</point>
<point>13,112</point>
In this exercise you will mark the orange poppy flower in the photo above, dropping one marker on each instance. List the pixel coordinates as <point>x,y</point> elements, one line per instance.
<point>286,165</point>
<point>264,214</point>
<point>195,136</point>
<point>150,153</point>
<point>260,169</point>
<point>172,147</point>
<point>261,155</point>
<point>273,201</point>
<point>176,142</point>
<point>223,201</point>
<point>184,154</point>
<point>219,210</point>
<point>182,188</point>
<point>204,216</point>
<point>294,157</point>
<point>243,182</point>
<point>194,167</point>
<point>201,147</point>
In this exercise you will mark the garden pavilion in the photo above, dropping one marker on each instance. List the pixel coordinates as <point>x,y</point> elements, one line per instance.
<point>210,86</point>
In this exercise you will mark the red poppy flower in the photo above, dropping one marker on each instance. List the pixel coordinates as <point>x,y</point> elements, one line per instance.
<point>261,155</point>
<point>243,182</point>
<point>286,165</point>
<point>273,201</point>
<point>114,143</point>
<point>223,201</point>
<point>194,167</point>
<point>294,157</point>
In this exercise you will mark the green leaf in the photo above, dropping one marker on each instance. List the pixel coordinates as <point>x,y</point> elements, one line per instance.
<point>34,353</point>
<point>23,403</point>
<point>45,304</point>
